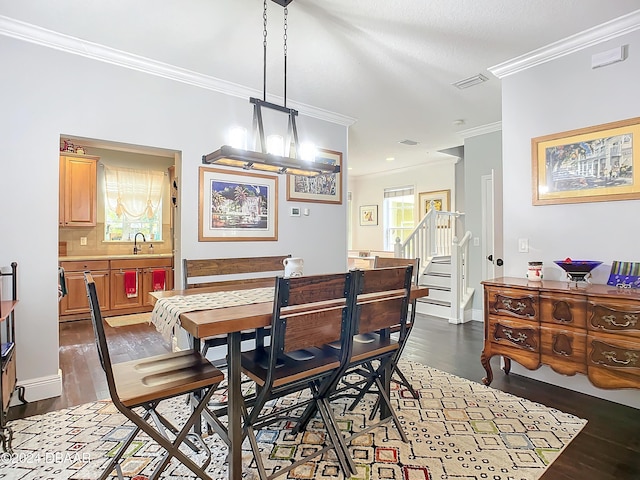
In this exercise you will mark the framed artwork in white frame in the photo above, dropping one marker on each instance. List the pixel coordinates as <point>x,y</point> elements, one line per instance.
<point>369,215</point>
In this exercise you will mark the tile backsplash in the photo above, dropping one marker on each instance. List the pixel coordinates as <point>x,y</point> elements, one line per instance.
<point>95,245</point>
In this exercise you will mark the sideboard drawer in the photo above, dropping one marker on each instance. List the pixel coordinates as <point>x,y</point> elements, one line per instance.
<point>512,302</point>
<point>567,310</point>
<point>613,362</point>
<point>618,317</point>
<point>563,349</point>
<point>516,339</point>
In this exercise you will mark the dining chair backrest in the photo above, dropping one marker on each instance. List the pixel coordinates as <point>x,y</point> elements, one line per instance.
<point>218,270</point>
<point>311,311</point>
<point>383,299</point>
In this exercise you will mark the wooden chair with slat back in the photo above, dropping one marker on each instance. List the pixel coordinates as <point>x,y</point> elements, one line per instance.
<point>309,313</point>
<point>215,272</point>
<point>137,388</point>
<point>381,305</point>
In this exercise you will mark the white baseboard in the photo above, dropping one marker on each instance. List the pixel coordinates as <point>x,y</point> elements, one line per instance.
<point>40,388</point>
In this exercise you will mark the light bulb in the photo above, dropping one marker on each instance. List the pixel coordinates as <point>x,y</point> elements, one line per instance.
<point>308,151</point>
<point>275,145</point>
<point>237,137</point>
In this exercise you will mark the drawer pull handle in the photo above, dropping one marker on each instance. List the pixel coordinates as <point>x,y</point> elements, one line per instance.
<point>520,306</point>
<point>632,358</point>
<point>521,338</point>
<point>631,320</point>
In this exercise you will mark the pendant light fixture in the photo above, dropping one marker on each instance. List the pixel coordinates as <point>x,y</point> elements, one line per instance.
<point>289,162</point>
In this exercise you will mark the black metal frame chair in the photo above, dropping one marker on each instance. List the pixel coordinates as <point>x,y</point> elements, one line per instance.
<point>309,313</point>
<point>138,387</point>
<point>381,307</point>
<point>386,262</point>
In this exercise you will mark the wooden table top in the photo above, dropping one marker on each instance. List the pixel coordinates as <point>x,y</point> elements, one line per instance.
<point>203,323</point>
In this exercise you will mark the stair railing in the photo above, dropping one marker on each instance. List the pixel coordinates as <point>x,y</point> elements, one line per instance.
<point>435,236</point>
<point>460,289</point>
<point>432,236</point>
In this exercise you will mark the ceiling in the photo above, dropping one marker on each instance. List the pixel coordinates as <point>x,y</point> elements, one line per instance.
<point>386,64</point>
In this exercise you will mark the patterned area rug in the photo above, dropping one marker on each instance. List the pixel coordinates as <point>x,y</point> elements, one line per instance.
<point>457,429</point>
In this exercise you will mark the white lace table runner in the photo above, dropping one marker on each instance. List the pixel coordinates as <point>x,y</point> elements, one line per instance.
<point>166,312</point>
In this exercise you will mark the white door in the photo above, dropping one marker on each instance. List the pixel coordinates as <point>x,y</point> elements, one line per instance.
<point>492,225</point>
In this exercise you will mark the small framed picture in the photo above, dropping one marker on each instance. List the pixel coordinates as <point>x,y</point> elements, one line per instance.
<point>369,215</point>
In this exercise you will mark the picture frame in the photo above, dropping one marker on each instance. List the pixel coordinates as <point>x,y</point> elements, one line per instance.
<point>593,164</point>
<point>369,215</point>
<point>237,206</point>
<point>441,199</point>
<point>325,188</point>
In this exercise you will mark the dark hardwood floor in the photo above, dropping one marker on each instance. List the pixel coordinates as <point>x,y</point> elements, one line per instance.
<point>608,448</point>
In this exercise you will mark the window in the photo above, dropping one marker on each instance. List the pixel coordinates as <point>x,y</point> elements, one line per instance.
<point>398,210</point>
<point>133,203</point>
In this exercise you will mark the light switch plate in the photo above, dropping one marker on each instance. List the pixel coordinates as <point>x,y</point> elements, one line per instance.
<point>83,241</point>
<point>523,245</point>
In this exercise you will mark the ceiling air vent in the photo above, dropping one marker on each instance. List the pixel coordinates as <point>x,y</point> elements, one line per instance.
<point>470,82</point>
<point>408,142</point>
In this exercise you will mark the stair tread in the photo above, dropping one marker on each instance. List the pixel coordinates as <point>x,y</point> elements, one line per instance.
<point>438,274</point>
<point>433,301</point>
<point>436,287</point>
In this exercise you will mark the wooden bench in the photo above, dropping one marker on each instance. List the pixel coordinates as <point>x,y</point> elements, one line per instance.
<point>216,272</point>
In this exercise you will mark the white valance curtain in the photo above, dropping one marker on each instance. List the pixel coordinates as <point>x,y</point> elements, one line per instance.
<point>135,193</point>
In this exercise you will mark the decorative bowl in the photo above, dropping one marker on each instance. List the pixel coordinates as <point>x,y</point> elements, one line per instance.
<point>577,270</point>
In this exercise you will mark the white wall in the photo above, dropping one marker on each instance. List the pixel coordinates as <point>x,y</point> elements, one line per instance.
<point>566,94</point>
<point>46,93</point>
<point>482,153</point>
<point>369,190</point>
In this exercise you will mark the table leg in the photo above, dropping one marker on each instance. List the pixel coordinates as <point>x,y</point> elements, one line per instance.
<point>234,396</point>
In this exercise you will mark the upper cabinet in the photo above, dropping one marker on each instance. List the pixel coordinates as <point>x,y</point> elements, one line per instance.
<point>78,187</point>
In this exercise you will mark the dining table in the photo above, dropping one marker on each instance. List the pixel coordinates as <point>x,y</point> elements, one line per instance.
<point>231,320</point>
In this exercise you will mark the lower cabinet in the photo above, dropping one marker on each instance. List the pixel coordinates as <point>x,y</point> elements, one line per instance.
<point>76,301</point>
<point>144,276</point>
<point>109,276</point>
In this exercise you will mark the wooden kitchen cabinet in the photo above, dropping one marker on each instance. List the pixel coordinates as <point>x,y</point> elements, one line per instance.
<point>143,269</point>
<point>109,278</point>
<point>76,301</point>
<point>592,330</point>
<point>78,190</point>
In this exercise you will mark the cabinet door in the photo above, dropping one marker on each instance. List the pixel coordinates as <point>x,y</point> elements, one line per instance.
<point>76,300</point>
<point>80,192</point>
<point>119,298</point>
<point>147,282</point>
<point>61,192</point>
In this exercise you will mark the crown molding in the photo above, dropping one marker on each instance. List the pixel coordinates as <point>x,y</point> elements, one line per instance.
<point>593,36</point>
<point>481,130</point>
<point>27,32</point>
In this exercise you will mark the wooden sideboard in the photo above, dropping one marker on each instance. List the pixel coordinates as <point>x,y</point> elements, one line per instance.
<point>592,329</point>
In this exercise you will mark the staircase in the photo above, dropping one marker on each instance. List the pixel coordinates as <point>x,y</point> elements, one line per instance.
<point>436,276</point>
<point>446,269</point>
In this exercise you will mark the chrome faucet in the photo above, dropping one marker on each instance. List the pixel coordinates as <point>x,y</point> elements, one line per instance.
<point>135,243</point>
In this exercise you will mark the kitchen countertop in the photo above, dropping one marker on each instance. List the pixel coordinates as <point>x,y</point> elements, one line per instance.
<point>141,256</point>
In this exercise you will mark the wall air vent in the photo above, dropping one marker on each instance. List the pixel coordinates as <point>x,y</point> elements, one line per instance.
<point>408,142</point>
<point>470,82</point>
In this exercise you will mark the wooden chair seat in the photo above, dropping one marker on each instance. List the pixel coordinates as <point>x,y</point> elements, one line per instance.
<point>369,351</point>
<point>163,376</point>
<point>255,366</point>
